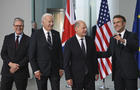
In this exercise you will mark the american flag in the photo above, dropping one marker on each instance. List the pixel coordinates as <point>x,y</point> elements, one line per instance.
<point>69,22</point>
<point>102,38</point>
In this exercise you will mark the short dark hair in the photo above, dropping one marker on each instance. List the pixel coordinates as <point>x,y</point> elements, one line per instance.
<point>120,16</point>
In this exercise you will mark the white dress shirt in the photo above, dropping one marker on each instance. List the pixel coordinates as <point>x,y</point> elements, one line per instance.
<point>20,36</point>
<point>46,34</point>
<point>84,41</point>
<point>122,36</point>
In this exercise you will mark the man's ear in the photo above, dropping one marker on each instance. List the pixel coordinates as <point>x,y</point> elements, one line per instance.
<point>76,28</point>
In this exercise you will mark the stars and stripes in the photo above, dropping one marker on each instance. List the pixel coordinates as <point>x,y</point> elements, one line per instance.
<point>103,34</point>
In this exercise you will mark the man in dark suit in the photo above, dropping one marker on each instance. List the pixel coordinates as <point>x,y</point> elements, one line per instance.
<point>80,62</point>
<point>15,58</point>
<point>93,32</point>
<point>122,48</point>
<point>45,55</point>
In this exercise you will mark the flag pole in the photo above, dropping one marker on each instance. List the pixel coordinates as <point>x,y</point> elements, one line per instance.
<point>103,87</point>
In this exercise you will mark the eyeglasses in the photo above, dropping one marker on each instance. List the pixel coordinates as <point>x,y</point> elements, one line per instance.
<point>18,25</point>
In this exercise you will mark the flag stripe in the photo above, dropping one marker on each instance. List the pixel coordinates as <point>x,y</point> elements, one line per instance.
<point>108,29</point>
<point>108,63</point>
<point>104,37</point>
<point>100,70</point>
<point>100,42</point>
<point>68,8</point>
<point>103,66</point>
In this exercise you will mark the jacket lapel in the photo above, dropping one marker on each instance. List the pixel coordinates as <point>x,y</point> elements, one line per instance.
<point>87,44</point>
<point>21,42</point>
<point>77,46</point>
<point>44,41</point>
<point>12,41</point>
<point>43,38</point>
<point>125,35</point>
<point>53,37</point>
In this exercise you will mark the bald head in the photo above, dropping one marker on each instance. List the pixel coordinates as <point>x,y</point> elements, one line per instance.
<point>80,28</point>
<point>77,23</point>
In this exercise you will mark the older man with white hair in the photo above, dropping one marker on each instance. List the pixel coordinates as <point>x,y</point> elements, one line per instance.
<point>45,54</point>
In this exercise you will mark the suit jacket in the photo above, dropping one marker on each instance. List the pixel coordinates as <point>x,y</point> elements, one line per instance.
<point>43,57</point>
<point>93,32</point>
<point>123,57</point>
<point>75,61</point>
<point>10,53</point>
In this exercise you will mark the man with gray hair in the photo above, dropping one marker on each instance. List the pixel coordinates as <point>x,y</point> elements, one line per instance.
<point>45,55</point>
<point>14,54</point>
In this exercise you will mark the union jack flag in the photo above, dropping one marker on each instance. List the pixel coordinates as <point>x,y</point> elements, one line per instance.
<point>69,22</point>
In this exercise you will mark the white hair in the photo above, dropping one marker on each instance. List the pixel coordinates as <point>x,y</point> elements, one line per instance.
<point>46,14</point>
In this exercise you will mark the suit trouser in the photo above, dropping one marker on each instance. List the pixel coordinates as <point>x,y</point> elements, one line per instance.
<point>54,81</point>
<point>121,83</point>
<point>88,83</point>
<point>7,83</point>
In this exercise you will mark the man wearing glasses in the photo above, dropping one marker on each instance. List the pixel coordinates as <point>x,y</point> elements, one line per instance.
<point>14,54</point>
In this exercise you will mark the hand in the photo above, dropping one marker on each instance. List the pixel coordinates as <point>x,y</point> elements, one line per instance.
<point>70,82</point>
<point>118,37</point>
<point>13,65</point>
<point>61,72</point>
<point>38,75</point>
<point>96,77</point>
<point>13,70</point>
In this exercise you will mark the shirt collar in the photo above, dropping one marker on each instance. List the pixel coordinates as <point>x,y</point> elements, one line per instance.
<point>79,38</point>
<point>122,33</point>
<point>19,35</point>
<point>46,31</point>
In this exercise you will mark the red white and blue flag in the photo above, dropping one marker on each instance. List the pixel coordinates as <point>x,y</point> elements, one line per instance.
<point>102,38</point>
<point>69,22</point>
